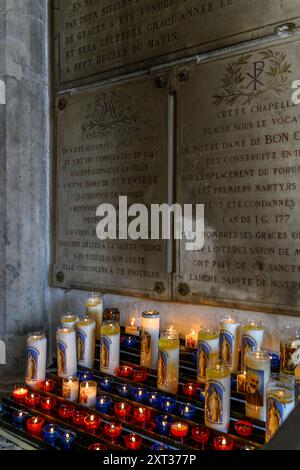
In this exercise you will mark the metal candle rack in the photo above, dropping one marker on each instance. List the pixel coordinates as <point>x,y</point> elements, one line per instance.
<point>131,356</point>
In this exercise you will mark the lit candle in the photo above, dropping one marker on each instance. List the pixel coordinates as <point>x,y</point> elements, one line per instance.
<point>140,375</point>
<point>154,398</point>
<point>252,337</point>
<point>243,428</point>
<point>208,349</point>
<point>241,378</point>
<point>168,362</point>
<point>124,390</point>
<point>88,393</point>
<point>85,376</point>
<point>66,411</point>
<point>258,373</point>
<point>48,403</point>
<point>168,404</point>
<point>94,310</point>
<point>67,438</point>
<point>103,403</point>
<point>106,384</point>
<point>122,410</point>
<point>141,414</point>
<point>92,422</point>
<point>36,355</point>
<point>163,423</point>
<point>48,385</point>
<point>124,371</point>
<point>217,396</point>
<point>179,430</point>
<point>70,388</point>
<point>113,431</point>
<point>85,335</point>
<point>191,339</point>
<point>187,410</point>
<point>149,339</point>
<point>280,402</point>
<point>129,341</point>
<point>133,441</point>
<point>66,352</point>
<point>201,435</point>
<point>139,394</point>
<point>69,321</point>
<point>35,425</point>
<point>132,327</point>
<point>97,446</point>
<point>223,443</point>
<point>109,347</point>
<point>190,389</point>
<point>51,433</point>
<point>230,342</point>
<point>78,417</point>
<point>19,417</point>
<point>20,394</point>
<point>32,399</point>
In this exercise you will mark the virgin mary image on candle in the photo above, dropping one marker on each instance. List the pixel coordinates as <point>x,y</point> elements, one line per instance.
<point>247,344</point>
<point>226,341</point>
<point>146,343</point>
<point>274,414</point>
<point>255,387</point>
<point>203,358</point>
<point>104,352</point>
<point>80,346</point>
<point>214,407</point>
<point>32,358</point>
<point>61,357</point>
<point>161,368</point>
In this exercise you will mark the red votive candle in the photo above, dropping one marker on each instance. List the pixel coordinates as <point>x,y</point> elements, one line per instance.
<point>113,431</point>
<point>66,411</point>
<point>92,422</point>
<point>122,409</point>
<point>223,443</point>
<point>78,417</point>
<point>133,441</point>
<point>179,429</point>
<point>32,399</point>
<point>200,434</point>
<point>48,403</point>
<point>190,389</point>
<point>48,385</point>
<point>124,371</point>
<point>20,394</point>
<point>141,414</point>
<point>140,375</point>
<point>97,446</point>
<point>35,425</point>
<point>243,428</point>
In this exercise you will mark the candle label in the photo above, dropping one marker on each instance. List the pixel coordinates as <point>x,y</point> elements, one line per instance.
<point>61,357</point>
<point>81,345</point>
<point>255,387</point>
<point>248,342</point>
<point>226,346</point>
<point>146,345</point>
<point>277,412</point>
<point>32,355</point>
<point>205,350</point>
<point>105,344</point>
<point>214,402</point>
<point>162,365</point>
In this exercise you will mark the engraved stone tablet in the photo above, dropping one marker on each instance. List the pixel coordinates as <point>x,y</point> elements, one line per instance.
<point>101,39</point>
<point>112,141</point>
<point>239,154</point>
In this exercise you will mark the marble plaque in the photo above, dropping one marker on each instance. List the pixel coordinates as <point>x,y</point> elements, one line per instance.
<point>95,40</point>
<point>111,141</point>
<point>239,154</point>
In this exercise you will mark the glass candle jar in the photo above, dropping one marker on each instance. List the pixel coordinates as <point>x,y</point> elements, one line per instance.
<point>36,356</point>
<point>168,361</point>
<point>20,393</point>
<point>92,422</point>
<point>48,403</point>
<point>88,393</point>
<point>51,433</point>
<point>109,347</point>
<point>223,443</point>
<point>217,396</point>
<point>124,390</point>
<point>94,311</point>
<point>66,411</point>
<point>69,321</point>
<point>149,338</point>
<point>133,441</point>
<point>230,341</point>
<point>35,425</point>
<point>32,399</point>
<point>168,404</point>
<point>187,410</point>
<point>66,352</point>
<point>252,337</point>
<point>179,430</point>
<point>280,403</point>
<point>163,423</point>
<point>113,431</point>
<point>290,350</point>
<point>122,410</point>
<point>103,403</point>
<point>139,394</point>
<point>78,417</point>
<point>258,368</point>
<point>48,385</point>
<point>19,417</point>
<point>208,348</point>
<point>67,438</point>
<point>70,388</point>
<point>85,337</point>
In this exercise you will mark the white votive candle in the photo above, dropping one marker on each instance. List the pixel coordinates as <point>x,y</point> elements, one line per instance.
<point>36,356</point>
<point>66,352</point>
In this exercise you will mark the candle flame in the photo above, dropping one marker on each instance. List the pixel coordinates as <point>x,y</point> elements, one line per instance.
<point>133,439</point>
<point>224,441</point>
<point>36,420</point>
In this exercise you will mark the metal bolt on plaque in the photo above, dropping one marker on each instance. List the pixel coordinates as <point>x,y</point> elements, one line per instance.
<point>159,287</point>
<point>183,289</point>
<point>62,104</point>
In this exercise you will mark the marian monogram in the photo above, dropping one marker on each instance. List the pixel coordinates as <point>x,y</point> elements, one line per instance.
<point>248,78</point>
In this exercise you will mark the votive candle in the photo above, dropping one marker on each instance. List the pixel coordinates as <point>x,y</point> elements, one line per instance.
<point>20,393</point>
<point>35,425</point>
<point>88,393</point>
<point>133,441</point>
<point>103,403</point>
<point>66,411</point>
<point>92,422</point>
<point>187,410</point>
<point>124,390</point>
<point>51,432</point>
<point>70,388</point>
<point>113,430</point>
<point>168,404</point>
<point>19,417</point>
<point>122,410</point>
<point>48,385</point>
<point>179,430</point>
<point>32,399</point>
<point>223,443</point>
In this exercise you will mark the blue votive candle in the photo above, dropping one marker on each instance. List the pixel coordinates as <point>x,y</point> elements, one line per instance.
<point>124,390</point>
<point>139,394</point>
<point>129,341</point>
<point>159,446</point>
<point>106,384</point>
<point>103,403</point>
<point>19,417</point>
<point>168,404</point>
<point>187,410</point>
<point>51,432</point>
<point>163,423</point>
<point>85,376</point>
<point>67,437</point>
<point>153,399</point>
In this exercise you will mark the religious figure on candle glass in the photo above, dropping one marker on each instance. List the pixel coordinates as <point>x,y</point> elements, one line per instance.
<point>203,361</point>
<point>274,418</point>
<point>225,349</point>
<point>161,369</point>
<point>80,346</point>
<point>146,343</point>
<point>31,365</point>
<point>61,358</point>
<point>214,405</point>
<point>104,353</point>
<point>254,388</point>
